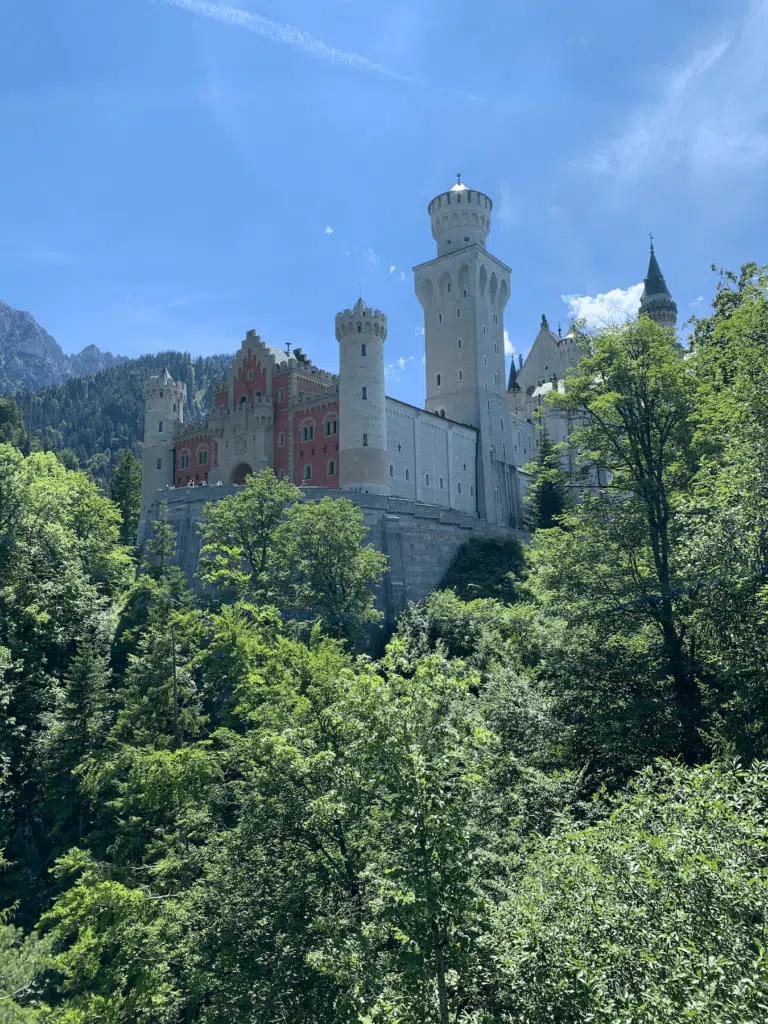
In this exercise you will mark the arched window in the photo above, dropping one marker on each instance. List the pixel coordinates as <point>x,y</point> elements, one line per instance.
<point>331,467</point>
<point>437,380</point>
<point>365,440</point>
<point>359,328</point>
<point>365,394</point>
<point>461,375</point>
<point>184,460</point>
<point>308,472</point>
<point>280,394</point>
<point>362,349</point>
<point>159,463</point>
<point>485,360</point>
<point>458,343</point>
<point>458,313</point>
<point>308,432</point>
<point>202,457</point>
<point>407,475</point>
<point>160,427</point>
<point>250,375</point>
<point>501,424</point>
<point>426,479</point>
<point>330,427</point>
<point>441,483</point>
<point>439,318</point>
<point>471,490</point>
<point>280,439</point>
<point>391,470</point>
<point>458,487</point>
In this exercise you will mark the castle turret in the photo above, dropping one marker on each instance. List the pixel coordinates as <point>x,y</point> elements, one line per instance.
<point>363,462</point>
<point>463,293</point>
<point>163,408</point>
<point>656,301</point>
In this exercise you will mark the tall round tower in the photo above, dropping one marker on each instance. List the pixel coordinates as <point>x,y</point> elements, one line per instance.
<point>363,462</point>
<point>460,217</point>
<point>163,408</point>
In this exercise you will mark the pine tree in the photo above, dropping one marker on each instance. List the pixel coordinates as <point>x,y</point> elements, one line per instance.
<point>548,496</point>
<point>125,491</point>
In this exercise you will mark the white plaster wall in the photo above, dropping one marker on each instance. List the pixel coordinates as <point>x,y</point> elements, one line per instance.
<point>544,360</point>
<point>423,444</point>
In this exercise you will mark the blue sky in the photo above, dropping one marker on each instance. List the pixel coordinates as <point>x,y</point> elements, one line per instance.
<point>175,173</point>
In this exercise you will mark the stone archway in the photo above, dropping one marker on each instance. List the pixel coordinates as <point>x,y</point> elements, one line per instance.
<point>241,472</point>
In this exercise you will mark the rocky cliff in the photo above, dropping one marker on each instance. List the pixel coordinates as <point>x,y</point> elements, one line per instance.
<point>31,358</point>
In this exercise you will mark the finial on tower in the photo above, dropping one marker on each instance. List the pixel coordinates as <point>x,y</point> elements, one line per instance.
<point>650,235</point>
<point>458,178</point>
<point>544,321</point>
<point>287,348</point>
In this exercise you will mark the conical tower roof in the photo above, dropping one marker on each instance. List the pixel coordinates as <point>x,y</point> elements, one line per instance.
<point>656,301</point>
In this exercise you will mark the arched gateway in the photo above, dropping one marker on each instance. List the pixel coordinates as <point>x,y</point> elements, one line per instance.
<point>242,471</point>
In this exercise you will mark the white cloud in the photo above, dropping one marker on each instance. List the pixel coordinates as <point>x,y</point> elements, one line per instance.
<point>711,114</point>
<point>697,301</point>
<point>392,370</point>
<point>370,255</point>
<point>286,35</point>
<point>419,332</point>
<point>402,276</point>
<point>607,308</point>
<point>328,229</point>
<point>392,268</point>
<point>509,348</point>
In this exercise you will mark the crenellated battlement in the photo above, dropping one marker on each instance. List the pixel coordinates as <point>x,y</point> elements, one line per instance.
<point>361,319</point>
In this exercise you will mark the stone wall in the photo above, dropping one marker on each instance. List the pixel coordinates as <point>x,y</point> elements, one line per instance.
<point>420,540</point>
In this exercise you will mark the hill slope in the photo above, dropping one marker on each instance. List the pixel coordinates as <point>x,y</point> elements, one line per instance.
<point>31,358</point>
<point>97,415</point>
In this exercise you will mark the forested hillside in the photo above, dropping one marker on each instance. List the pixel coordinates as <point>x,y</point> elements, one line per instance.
<point>549,804</point>
<point>96,416</point>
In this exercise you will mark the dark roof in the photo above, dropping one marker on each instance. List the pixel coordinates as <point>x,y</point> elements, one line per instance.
<point>654,279</point>
<point>512,384</point>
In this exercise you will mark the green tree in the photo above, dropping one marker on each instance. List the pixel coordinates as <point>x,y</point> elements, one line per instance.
<point>12,424</point>
<point>486,567</point>
<point>321,571</point>
<point>653,915</point>
<point>23,961</point>
<point>125,491</point>
<point>614,576</point>
<point>238,533</point>
<point>549,493</point>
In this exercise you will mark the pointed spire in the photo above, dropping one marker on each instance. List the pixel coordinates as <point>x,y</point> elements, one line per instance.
<point>656,301</point>
<point>359,306</point>
<point>512,384</point>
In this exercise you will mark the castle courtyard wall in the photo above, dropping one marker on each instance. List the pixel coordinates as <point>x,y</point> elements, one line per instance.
<point>420,540</point>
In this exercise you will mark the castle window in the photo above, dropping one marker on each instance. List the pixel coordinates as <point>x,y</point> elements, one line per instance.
<point>497,493</point>
<point>484,330</point>
<point>437,380</point>
<point>330,427</point>
<point>407,475</point>
<point>458,343</point>
<point>439,318</point>
<point>458,313</point>
<point>442,484</point>
<point>465,293</point>
<point>442,413</point>
<point>466,238</point>
<point>307,472</point>
<point>365,440</point>
<point>174,407</point>
<point>280,394</point>
<point>365,394</point>
<point>243,401</point>
<point>308,432</point>
<point>497,379</point>
<point>184,461</point>
<point>501,424</point>
<point>250,375</point>
<point>486,385</point>
<point>202,457</point>
<point>485,360</point>
<point>359,328</point>
<point>458,485</point>
<point>362,349</point>
<point>161,394</point>
<point>448,286</point>
<point>391,469</point>
<point>160,427</point>
<point>280,439</point>
<point>426,479</point>
<point>461,375</point>
<point>159,463</point>
<point>471,490</point>
<point>331,467</point>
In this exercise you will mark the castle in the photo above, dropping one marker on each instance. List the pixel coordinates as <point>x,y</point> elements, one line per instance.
<point>427,479</point>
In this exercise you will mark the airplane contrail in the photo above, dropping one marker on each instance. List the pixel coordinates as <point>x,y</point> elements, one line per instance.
<point>286,35</point>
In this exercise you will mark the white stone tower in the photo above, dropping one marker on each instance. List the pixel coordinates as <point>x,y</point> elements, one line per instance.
<point>656,301</point>
<point>463,294</point>
<point>163,408</point>
<point>363,462</point>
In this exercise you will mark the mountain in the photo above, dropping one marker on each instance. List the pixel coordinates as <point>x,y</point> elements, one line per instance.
<point>31,358</point>
<point>96,415</point>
